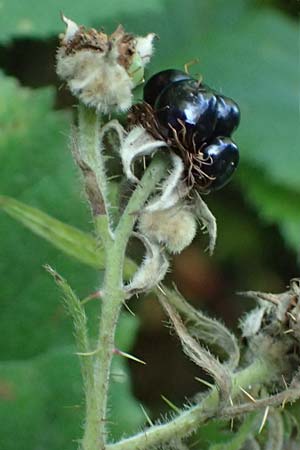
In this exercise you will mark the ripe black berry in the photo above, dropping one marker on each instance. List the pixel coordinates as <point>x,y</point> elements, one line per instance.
<point>156,84</point>
<point>196,122</point>
<point>220,159</point>
<point>228,116</point>
<point>189,109</point>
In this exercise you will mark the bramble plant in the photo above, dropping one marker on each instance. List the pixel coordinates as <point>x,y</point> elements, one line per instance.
<point>173,148</point>
<point>182,134</point>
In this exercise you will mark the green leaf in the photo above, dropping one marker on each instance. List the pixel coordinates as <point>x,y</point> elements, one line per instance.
<point>72,241</point>
<point>276,204</point>
<point>39,20</point>
<point>66,238</point>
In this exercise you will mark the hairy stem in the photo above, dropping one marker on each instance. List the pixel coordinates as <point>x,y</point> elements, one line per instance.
<point>189,420</point>
<point>89,157</point>
<point>113,297</point>
<point>288,396</point>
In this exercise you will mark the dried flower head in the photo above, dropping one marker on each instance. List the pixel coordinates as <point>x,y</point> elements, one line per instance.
<point>100,69</point>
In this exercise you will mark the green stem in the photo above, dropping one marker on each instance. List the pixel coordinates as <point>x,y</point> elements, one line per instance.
<point>91,161</point>
<point>113,297</point>
<point>189,420</point>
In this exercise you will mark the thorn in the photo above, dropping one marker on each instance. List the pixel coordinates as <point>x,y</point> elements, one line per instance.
<point>146,415</point>
<point>206,383</point>
<point>195,443</point>
<point>93,296</point>
<point>232,419</point>
<point>292,317</point>
<point>128,309</point>
<point>283,403</point>
<point>94,352</point>
<point>169,403</point>
<point>284,382</point>
<point>272,298</point>
<point>264,419</point>
<point>113,177</point>
<point>288,331</point>
<point>161,290</point>
<point>247,394</point>
<point>128,356</point>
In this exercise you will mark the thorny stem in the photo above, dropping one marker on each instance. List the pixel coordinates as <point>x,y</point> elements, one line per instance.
<point>288,396</point>
<point>113,297</point>
<point>189,420</point>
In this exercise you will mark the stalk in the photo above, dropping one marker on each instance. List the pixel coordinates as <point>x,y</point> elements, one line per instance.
<point>95,436</point>
<point>188,421</point>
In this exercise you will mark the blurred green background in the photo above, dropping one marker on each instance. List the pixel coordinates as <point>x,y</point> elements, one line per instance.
<point>248,50</point>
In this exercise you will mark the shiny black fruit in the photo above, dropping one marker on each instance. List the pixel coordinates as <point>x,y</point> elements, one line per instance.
<point>228,116</point>
<point>221,158</point>
<point>158,82</point>
<point>189,108</point>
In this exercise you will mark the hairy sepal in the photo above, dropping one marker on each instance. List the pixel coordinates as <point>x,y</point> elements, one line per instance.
<point>198,354</point>
<point>172,190</point>
<point>152,270</point>
<point>137,143</point>
<point>207,220</point>
<point>209,331</point>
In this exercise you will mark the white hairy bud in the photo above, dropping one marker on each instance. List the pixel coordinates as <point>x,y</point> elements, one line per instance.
<point>100,69</point>
<point>175,227</point>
